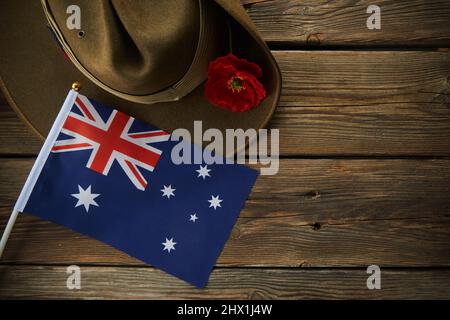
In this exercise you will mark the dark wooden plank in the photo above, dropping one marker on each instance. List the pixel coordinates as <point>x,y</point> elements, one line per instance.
<point>341,103</point>
<point>343,22</point>
<point>380,103</point>
<point>365,78</point>
<point>43,282</point>
<point>320,190</point>
<point>314,212</point>
<point>276,242</point>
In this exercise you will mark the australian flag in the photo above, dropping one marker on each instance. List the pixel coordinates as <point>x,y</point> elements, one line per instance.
<point>107,175</point>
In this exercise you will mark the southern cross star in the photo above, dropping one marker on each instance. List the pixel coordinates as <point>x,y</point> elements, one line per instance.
<point>168,191</point>
<point>85,198</point>
<point>169,245</point>
<point>193,217</point>
<point>203,172</point>
<point>215,202</point>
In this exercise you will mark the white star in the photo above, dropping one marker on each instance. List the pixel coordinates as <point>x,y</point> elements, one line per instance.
<point>215,202</point>
<point>85,198</point>
<point>168,191</point>
<point>203,172</point>
<point>169,245</point>
<point>193,217</point>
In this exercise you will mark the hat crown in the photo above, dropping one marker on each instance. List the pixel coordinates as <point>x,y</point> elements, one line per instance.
<point>137,47</point>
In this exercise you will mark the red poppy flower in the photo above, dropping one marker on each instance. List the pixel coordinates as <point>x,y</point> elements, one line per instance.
<point>233,84</point>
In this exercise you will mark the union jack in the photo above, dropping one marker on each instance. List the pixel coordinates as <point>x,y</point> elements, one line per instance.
<point>111,140</point>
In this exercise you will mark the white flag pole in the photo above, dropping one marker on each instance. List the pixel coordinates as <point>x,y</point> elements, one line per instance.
<point>39,163</point>
<point>7,232</point>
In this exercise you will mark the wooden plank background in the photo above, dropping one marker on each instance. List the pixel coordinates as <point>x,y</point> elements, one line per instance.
<point>147,283</point>
<point>364,177</point>
<point>342,23</point>
<point>342,103</point>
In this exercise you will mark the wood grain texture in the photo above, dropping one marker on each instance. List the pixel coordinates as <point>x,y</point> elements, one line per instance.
<point>320,190</point>
<point>279,242</point>
<point>369,103</point>
<point>310,231</point>
<point>319,213</point>
<point>315,23</point>
<point>341,103</point>
<point>37,282</point>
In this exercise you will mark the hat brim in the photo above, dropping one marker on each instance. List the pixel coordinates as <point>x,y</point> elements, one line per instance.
<point>35,77</point>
